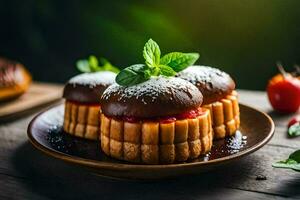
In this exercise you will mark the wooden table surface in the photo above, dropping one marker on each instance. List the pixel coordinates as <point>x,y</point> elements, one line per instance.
<point>26,173</point>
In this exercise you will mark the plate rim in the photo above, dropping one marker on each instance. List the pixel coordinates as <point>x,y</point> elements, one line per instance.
<point>135,166</point>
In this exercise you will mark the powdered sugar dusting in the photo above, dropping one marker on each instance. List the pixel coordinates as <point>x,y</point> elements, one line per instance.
<point>94,79</point>
<point>196,73</point>
<point>150,90</point>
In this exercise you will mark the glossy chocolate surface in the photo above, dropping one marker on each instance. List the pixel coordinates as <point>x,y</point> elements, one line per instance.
<point>213,83</point>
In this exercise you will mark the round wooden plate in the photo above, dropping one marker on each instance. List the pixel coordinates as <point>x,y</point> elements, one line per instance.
<point>45,133</point>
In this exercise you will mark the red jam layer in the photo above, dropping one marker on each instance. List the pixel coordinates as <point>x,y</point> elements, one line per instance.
<point>168,119</point>
<point>84,104</point>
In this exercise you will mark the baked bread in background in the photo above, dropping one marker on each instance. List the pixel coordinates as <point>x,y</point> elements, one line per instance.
<point>14,79</point>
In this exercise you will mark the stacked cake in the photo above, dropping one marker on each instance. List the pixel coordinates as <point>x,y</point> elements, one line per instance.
<point>165,111</point>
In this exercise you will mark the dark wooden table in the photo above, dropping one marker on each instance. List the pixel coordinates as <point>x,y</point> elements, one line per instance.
<point>26,173</point>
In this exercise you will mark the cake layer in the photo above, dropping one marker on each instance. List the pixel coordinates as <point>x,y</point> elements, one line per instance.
<point>82,120</point>
<point>225,115</point>
<point>154,142</point>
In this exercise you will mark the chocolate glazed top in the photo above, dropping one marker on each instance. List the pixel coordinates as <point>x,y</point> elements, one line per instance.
<point>213,83</point>
<point>157,97</point>
<point>88,87</point>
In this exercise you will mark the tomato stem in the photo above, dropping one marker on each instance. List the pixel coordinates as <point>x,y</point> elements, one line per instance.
<point>281,70</point>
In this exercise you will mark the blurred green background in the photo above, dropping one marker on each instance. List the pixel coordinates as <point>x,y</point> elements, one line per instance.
<point>243,37</point>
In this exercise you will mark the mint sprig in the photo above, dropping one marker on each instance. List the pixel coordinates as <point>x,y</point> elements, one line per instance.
<point>92,64</point>
<point>155,65</point>
<point>293,162</point>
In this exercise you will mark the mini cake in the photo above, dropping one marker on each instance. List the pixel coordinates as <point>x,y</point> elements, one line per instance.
<point>14,79</point>
<point>82,94</point>
<point>219,97</point>
<point>157,121</point>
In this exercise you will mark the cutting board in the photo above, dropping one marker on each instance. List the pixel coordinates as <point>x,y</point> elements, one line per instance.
<point>38,94</point>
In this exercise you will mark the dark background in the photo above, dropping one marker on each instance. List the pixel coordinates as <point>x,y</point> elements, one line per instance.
<point>243,37</point>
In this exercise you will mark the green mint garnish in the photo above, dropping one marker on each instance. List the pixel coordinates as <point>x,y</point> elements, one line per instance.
<point>133,75</point>
<point>167,70</point>
<point>293,162</point>
<point>83,66</point>
<point>92,64</point>
<point>151,54</point>
<point>295,156</point>
<point>179,61</point>
<point>168,65</point>
<point>294,130</point>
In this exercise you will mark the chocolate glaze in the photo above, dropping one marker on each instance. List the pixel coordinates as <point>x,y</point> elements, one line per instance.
<point>88,88</point>
<point>213,83</point>
<point>156,97</point>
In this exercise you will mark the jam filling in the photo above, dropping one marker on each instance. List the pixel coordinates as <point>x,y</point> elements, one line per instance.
<point>167,119</point>
<point>84,104</point>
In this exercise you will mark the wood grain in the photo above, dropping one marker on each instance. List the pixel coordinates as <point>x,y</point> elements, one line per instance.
<point>26,173</point>
<point>38,94</point>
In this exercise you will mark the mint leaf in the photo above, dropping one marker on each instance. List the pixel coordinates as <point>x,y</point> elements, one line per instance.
<point>155,71</point>
<point>133,75</point>
<point>93,62</point>
<point>83,66</point>
<point>293,162</point>
<point>296,167</point>
<point>151,53</point>
<point>295,156</point>
<point>168,65</point>
<point>107,66</point>
<point>294,130</point>
<point>103,61</point>
<point>179,61</point>
<point>147,74</point>
<point>95,65</point>
<point>166,70</point>
<point>111,68</point>
<point>285,163</point>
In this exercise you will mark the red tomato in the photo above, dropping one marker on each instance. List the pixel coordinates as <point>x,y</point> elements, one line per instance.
<point>284,93</point>
<point>294,121</point>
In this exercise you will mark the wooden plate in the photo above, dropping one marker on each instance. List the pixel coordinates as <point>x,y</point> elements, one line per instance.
<point>45,133</point>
